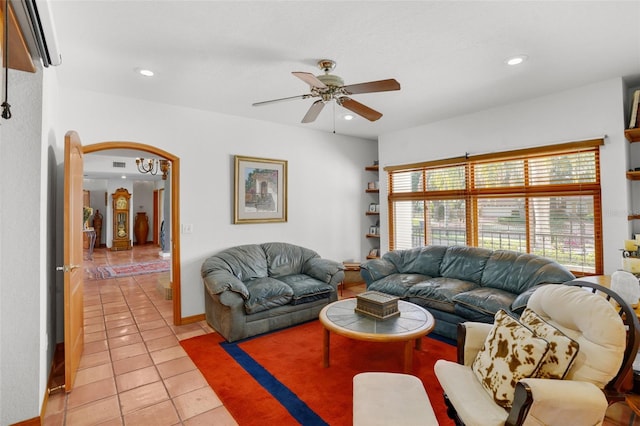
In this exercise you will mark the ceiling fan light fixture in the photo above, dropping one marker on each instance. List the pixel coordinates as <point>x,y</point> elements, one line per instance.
<point>516,60</point>
<point>348,117</point>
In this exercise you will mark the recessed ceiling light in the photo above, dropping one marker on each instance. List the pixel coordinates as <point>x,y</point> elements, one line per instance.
<point>146,73</point>
<point>123,176</point>
<point>348,117</point>
<point>516,60</point>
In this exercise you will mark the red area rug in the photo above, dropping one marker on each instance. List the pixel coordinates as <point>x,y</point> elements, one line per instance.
<point>292,359</point>
<point>116,271</point>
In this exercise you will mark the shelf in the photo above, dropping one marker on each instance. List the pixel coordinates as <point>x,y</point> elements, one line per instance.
<point>372,191</point>
<point>378,213</point>
<point>632,135</point>
<point>372,168</point>
<point>633,217</point>
<point>633,175</point>
<point>372,236</point>
<point>373,257</point>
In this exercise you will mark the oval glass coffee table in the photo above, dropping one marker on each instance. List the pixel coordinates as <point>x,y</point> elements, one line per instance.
<point>413,323</point>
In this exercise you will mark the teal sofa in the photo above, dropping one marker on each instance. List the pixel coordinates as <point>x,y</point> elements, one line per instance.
<point>256,288</point>
<point>460,283</point>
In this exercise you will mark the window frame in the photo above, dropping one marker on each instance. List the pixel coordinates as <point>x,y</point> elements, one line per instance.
<point>471,194</point>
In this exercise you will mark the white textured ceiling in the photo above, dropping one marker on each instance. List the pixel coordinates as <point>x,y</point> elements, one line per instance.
<point>447,55</point>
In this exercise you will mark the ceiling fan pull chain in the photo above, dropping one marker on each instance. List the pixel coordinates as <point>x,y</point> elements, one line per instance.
<point>334,118</point>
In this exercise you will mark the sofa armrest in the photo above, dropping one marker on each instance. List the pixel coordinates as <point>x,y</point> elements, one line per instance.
<point>520,302</point>
<point>374,269</point>
<point>218,282</point>
<point>557,402</point>
<point>471,337</point>
<point>325,270</point>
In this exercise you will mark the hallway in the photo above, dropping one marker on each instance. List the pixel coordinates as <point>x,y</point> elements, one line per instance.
<point>133,369</point>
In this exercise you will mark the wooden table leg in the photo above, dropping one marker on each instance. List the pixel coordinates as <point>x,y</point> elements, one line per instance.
<point>325,349</point>
<point>408,357</point>
<point>419,343</point>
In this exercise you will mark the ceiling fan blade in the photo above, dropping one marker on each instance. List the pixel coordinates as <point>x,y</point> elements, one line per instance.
<point>372,86</point>
<point>360,109</point>
<point>280,100</point>
<point>313,112</point>
<point>310,79</point>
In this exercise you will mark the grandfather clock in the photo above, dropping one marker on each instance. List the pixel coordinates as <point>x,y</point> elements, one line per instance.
<point>121,209</point>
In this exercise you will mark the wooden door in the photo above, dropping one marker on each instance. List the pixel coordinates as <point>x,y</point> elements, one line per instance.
<point>73,275</point>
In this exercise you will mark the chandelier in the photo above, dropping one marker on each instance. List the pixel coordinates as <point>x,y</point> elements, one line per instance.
<point>153,166</point>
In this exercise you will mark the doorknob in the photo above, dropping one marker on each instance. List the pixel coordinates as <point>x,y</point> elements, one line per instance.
<point>67,268</point>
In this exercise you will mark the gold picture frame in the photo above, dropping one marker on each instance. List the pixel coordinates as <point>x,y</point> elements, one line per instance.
<point>260,190</point>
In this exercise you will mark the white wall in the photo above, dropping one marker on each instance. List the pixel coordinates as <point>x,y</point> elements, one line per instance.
<point>584,113</point>
<point>325,191</point>
<point>27,246</point>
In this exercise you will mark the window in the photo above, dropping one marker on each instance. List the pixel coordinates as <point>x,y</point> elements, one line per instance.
<point>544,201</point>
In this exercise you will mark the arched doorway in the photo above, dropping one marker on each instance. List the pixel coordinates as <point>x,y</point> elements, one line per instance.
<point>175,208</point>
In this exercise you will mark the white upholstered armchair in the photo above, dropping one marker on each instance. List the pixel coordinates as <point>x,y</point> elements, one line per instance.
<point>568,362</point>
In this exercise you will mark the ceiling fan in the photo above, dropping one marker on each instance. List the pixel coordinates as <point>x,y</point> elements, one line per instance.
<point>329,87</point>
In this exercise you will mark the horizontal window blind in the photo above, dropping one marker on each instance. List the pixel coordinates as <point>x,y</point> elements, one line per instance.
<point>541,201</point>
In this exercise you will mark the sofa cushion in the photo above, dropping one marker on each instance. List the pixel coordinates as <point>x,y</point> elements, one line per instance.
<point>510,352</point>
<point>266,293</point>
<point>419,260</point>
<point>306,289</point>
<point>397,284</point>
<point>562,349</point>
<point>484,300</point>
<point>244,262</point>
<point>517,272</point>
<point>464,263</point>
<point>438,293</point>
<point>286,259</point>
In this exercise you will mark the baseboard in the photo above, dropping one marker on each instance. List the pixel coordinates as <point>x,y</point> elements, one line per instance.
<point>36,421</point>
<point>192,319</point>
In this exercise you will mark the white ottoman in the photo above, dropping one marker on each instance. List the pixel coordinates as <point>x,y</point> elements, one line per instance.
<point>385,399</point>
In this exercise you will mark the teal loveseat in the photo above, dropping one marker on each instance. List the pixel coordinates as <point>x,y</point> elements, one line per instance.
<point>256,288</point>
<point>460,283</point>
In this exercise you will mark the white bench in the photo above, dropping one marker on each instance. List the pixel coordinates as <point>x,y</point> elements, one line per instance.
<point>385,399</point>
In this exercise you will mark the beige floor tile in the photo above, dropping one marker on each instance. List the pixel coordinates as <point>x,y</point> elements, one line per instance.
<point>196,402</point>
<point>91,392</point>
<point>128,351</point>
<point>142,397</point>
<point>136,378</point>
<point>161,343</point>
<point>93,328</point>
<point>218,416</point>
<point>175,366</point>
<point>121,331</point>
<point>163,413</point>
<point>156,333</point>
<point>167,354</point>
<point>185,382</point>
<point>152,324</point>
<point>119,322</point>
<point>94,413</point>
<point>190,334</point>
<point>128,339</point>
<point>56,402</point>
<point>133,363</point>
<point>93,347</point>
<point>93,374</point>
<point>94,337</point>
<point>94,359</point>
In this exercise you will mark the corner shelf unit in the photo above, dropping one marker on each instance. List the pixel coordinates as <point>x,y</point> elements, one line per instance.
<point>633,135</point>
<point>373,213</point>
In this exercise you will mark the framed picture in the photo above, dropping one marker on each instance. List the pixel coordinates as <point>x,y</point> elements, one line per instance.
<point>260,190</point>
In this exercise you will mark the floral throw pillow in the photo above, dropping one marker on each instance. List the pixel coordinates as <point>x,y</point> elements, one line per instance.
<point>562,349</point>
<point>510,352</point>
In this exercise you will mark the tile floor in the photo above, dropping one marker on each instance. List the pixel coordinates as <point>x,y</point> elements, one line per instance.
<point>133,370</point>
